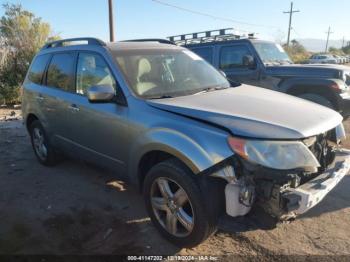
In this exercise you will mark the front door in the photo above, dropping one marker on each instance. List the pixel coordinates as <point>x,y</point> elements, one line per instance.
<point>98,131</point>
<point>231,62</point>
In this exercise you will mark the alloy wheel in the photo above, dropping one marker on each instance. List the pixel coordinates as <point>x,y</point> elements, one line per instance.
<point>172,207</point>
<point>39,143</point>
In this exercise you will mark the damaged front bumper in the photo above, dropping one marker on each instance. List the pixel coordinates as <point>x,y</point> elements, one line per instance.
<point>286,201</point>
<point>301,199</point>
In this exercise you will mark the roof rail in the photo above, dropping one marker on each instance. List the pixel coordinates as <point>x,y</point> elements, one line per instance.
<point>159,40</point>
<point>89,40</point>
<point>224,34</point>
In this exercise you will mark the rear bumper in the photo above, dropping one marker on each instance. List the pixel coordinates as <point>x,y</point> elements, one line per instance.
<point>301,199</point>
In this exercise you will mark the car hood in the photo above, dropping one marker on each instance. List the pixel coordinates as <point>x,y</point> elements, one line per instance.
<point>254,112</point>
<point>311,70</point>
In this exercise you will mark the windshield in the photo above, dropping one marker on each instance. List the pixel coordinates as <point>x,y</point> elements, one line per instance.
<point>168,73</point>
<point>271,53</point>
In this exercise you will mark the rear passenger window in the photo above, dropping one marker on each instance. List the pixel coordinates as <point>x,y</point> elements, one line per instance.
<point>232,56</point>
<point>206,53</point>
<point>92,70</point>
<point>61,72</point>
<point>37,69</point>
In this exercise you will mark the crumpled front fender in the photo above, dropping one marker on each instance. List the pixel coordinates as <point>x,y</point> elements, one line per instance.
<point>199,152</point>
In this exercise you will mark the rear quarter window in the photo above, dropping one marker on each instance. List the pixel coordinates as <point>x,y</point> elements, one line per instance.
<point>206,53</point>
<point>37,69</point>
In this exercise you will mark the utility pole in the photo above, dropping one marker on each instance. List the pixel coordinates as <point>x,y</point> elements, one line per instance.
<point>328,33</point>
<point>342,45</point>
<point>291,12</point>
<point>111,21</point>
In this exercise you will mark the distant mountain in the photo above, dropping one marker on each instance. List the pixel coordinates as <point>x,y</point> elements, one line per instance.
<point>318,45</point>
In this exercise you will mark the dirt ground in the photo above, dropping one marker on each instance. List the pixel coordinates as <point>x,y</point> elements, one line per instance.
<point>78,209</point>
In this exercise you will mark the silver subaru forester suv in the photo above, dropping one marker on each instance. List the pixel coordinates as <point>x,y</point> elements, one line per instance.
<point>165,120</point>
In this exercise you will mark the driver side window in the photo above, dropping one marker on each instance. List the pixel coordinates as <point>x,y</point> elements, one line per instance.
<point>92,70</point>
<point>232,56</point>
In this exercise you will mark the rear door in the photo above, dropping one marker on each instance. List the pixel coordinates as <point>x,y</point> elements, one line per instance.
<point>231,62</point>
<point>60,92</point>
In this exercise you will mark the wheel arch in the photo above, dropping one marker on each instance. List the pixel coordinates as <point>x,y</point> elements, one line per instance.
<point>30,119</point>
<point>157,155</point>
<point>323,91</point>
<point>149,160</point>
<point>319,86</point>
<point>159,145</point>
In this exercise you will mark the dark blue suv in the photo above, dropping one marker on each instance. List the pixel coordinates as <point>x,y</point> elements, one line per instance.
<point>265,64</point>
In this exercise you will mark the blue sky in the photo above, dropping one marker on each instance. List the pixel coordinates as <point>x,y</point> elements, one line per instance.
<point>145,18</point>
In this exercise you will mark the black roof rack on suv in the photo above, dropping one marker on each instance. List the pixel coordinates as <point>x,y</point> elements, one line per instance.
<point>208,36</point>
<point>89,40</point>
<point>159,40</point>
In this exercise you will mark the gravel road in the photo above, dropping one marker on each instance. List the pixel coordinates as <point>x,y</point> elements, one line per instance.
<point>74,208</point>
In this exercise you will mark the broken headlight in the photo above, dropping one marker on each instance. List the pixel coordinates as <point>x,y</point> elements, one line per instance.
<point>283,155</point>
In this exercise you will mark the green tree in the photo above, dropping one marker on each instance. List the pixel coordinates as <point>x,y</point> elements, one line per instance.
<point>297,52</point>
<point>346,49</point>
<point>21,36</point>
<point>336,51</point>
<point>333,49</point>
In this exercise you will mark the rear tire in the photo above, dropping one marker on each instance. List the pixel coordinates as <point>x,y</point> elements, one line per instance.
<point>42,147</point>
<point>318,99</point>
<point>195,223</point>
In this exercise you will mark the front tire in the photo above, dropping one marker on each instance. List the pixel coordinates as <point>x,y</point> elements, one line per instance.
<point>42,147</point>
<point>175,204</point>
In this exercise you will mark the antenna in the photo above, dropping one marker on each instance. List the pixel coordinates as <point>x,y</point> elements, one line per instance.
<point>111,20</point>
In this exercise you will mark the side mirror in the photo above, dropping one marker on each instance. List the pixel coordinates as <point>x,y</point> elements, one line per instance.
<point>102,93</point>
<point>249,61</point>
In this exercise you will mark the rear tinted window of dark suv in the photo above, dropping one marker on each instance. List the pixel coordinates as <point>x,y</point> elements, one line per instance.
<point>206,53</point>
<point>61,72</point>
<point>37,69</point>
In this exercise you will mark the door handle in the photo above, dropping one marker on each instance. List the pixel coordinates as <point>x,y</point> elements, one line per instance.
<point>74,108</point>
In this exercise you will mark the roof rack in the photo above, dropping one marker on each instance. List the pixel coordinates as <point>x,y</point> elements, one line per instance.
<point>159,40</point>
<point>89,40</point>
<point>224,34</point>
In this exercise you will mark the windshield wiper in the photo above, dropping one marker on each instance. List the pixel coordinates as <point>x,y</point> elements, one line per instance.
<point>209,89</point>
<point>204,90</point>
<point>277,62</point>
<point>283,62</point>
<point>161,97</point>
